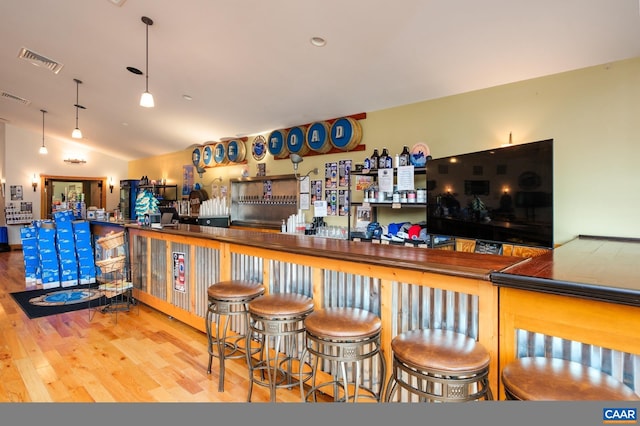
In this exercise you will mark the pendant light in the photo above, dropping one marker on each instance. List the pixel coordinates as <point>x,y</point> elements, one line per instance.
<point>77,134</point>
<point>43,149</point>
<point>146,100</point>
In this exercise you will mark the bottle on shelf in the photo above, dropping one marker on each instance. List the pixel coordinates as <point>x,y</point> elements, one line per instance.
<point>382,161</point>
<point>373,160</point>
<point>405,157</point>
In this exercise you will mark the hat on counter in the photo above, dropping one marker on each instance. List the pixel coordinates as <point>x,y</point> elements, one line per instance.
<point>379,231</point>
<point>403,232</point>
<point>414,232</point>
<point>395,227</point>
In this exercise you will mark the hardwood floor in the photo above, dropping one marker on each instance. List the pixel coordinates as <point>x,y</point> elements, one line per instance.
<point>144,357</point>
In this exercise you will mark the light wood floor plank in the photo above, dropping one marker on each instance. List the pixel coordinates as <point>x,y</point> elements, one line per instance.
<point>13,391</point>
<point>87,356</point>
<point>36,388</point>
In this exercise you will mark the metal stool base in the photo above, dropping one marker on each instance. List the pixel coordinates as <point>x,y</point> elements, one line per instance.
<point>277,365</point>
<point>438,386</point>
<point>343,355</point>
<point>222,345</point>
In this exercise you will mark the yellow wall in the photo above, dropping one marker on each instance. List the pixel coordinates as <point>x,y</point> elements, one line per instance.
<point>592,114</point>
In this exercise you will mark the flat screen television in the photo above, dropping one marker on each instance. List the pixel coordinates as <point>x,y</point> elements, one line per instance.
<point>502,194</point>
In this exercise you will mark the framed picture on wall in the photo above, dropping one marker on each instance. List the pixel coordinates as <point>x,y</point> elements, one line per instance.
<point>16,192</point>
<point>188,179</point>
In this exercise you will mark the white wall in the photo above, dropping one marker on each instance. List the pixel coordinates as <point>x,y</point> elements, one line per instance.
<point>22,161</point>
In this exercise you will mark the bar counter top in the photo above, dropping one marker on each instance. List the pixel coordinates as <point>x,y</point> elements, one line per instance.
<point>598,268</point>
<point>467,265</point>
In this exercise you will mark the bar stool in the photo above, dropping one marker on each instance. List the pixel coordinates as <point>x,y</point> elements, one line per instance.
<point>439,366</point>
<point>229,299</point>
<point>277,322</point>
<point>344,337</point>
<point>553,379</point>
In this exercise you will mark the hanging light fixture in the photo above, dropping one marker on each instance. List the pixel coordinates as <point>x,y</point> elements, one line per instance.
<point>146,100</point>
<point>77,134</point>
<point>43,149</point>
<point>297,159</point>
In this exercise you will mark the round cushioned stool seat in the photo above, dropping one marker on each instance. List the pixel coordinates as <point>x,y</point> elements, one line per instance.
<point>235,290</point>
<point>440,351</point>
<point>277,322</point>
<point>344,336</point>
<point>553,379</point>
<point>281,305</point>
<point>342,323</point>
<point>439,365</point>
<point>228,299</point>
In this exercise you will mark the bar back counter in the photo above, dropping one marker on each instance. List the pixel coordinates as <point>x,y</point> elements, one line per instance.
<point>409,288</point>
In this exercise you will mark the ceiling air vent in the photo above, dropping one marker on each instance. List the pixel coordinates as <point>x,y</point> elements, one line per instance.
<point>39,60</point>
<point>7,95</point>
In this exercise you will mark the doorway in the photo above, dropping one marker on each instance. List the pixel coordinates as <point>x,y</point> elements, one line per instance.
<point>65,189</point>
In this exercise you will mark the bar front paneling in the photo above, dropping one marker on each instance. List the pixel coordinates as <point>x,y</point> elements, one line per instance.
<point>160,277</point>
<point>352,291</point>
<point>623,366</point>
<point>425,307</point>
<point>288,277</point>
<point>138,263</point>
<point>206,267</point>
<point>245,267</point>
<point>407,288</point>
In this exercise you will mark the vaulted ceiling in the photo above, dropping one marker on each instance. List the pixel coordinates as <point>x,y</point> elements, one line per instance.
<point>249,66</point>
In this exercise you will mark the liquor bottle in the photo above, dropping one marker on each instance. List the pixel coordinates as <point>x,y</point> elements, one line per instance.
<point>389,162</point>
<point>373,160</point>
<point>382,161</point>
<point>366,164</point>
<point>405,157</point>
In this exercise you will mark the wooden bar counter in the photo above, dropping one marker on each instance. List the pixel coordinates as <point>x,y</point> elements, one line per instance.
<point>580,302</point>
<point>407,287</point>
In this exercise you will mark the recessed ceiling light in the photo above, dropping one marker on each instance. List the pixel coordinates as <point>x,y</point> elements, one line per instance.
<point>134,70</point>
<point>187,97</point>
<point>318,41</point>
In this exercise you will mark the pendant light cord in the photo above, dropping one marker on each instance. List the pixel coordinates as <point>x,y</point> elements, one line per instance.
<point>77,105</point>
<point>146,100</point>
<point>43,113</point>
<point>77,134</point>
<point>77,99</point>
<point>147,59</point>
